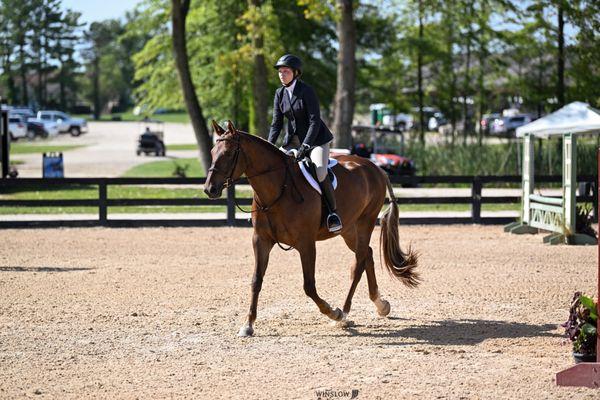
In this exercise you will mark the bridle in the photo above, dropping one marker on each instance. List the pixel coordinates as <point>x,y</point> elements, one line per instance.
<point>229,181</point>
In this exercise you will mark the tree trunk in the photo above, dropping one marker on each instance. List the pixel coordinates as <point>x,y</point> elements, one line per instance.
<point>466,86</point>
<point>480,80</point>
<point>343,112</point>
<point>96,86</point>
<point>420,75</point>
<point>260,85</point>
<point>467,121</point>
<point>178,17</point>
<point>450,71</point>
<point>61,81</point>
<point>560,85</point>
<point>22,68</point>
<point>10,81</point>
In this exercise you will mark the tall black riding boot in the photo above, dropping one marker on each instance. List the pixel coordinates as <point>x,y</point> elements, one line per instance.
<point>334,223</point>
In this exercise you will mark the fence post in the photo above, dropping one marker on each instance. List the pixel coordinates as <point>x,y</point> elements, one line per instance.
<point>476,200</point>
<point>231,205</point>
<point>5,142</point>
<point>102,202</point>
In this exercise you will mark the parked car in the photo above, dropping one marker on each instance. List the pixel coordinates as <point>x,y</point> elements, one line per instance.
<point>507,126</point>
<point>433,118</point>
<point>17,127</point>
<point>75,126</point>
<point>38,129</point>
<point>487,120</point>
<point>35,126</point>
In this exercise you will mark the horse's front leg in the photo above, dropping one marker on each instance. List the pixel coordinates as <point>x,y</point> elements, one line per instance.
<point>262,248</point>
<point>308,256</point>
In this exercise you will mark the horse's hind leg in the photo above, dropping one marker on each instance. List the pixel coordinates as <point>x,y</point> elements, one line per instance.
<point>262,248</point>
<point>308,256</point>
<point>383,306</point>
<point>357,268</point>
<point>363,239</point>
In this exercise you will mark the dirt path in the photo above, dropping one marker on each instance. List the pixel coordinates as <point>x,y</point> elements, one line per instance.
<point>153,313</point>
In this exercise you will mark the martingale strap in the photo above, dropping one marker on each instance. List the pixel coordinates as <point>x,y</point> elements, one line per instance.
<point>229,181</point>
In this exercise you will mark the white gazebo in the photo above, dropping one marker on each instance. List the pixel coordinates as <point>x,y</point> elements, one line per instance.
<point>555,214</point>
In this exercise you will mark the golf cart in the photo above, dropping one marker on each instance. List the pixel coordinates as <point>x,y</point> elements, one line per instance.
<point>151,139</point>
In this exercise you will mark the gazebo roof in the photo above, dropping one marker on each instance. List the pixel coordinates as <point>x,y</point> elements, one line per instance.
<point>576,117</point>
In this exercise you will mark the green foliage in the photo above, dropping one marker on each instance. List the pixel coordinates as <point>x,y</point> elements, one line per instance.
<point>37,38</point>
<point>500,159</point>
<point>164,169</point>
<point>25,148</point>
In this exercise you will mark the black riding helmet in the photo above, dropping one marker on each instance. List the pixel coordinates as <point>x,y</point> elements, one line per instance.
<point>290,61</point>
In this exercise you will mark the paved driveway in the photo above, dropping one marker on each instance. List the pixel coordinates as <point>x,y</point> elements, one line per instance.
<point>109,150</point>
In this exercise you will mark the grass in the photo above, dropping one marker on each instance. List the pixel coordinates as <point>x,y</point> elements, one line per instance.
<point>27,148</point>
<point>159,192</point>
<point>175,147</point>
<point>166,169</point>
<point>178,117</point>
<point>87,192</point>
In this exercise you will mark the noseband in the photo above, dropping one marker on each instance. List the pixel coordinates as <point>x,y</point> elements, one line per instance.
<point>229,181</point>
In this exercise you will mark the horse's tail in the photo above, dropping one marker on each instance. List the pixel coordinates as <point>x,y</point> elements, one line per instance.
<point>399,264</point>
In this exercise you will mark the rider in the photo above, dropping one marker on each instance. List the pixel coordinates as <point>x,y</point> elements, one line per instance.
<point>306,132</point>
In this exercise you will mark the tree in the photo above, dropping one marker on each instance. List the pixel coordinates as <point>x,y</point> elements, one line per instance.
<point>102,56</point>
<point>259,123</point>
<point>179,14</point>
<point>7,26</point>
<point>585,60</point>
<point>63,51</point>
<point>346,76</point>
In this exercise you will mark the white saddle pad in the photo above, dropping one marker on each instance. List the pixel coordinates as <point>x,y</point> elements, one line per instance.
<point>312,181</point>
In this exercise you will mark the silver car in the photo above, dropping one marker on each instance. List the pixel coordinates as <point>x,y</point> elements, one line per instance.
<point>17,127</point>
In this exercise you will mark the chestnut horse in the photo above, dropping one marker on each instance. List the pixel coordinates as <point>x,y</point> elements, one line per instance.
<point>286,209</point>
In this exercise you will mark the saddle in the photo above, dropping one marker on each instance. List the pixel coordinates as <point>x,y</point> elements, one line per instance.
<point>310,173</point>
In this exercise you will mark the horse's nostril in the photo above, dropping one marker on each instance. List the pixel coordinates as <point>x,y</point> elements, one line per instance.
<point>211,191</point>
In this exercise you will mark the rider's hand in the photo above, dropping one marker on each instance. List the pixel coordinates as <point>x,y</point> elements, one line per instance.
<point>302,150</point>
<point>291,152</point>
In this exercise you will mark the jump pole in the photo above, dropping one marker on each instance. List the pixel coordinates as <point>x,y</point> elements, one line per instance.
<point>585,374</point>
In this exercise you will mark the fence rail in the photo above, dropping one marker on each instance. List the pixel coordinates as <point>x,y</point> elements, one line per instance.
<point>102,202</point>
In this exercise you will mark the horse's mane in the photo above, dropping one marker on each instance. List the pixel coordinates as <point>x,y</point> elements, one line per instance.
<point>268,146</point>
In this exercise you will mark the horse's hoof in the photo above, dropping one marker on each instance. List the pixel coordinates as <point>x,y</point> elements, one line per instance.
<point>336,315</point>
<point>385,309</point>
<point>246,331</point>
<point>344,322</point>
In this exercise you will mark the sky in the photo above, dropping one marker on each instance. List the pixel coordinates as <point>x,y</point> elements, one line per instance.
<point>97,10</point>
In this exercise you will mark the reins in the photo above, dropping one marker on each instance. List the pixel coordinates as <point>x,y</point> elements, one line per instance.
<point>229,181</point>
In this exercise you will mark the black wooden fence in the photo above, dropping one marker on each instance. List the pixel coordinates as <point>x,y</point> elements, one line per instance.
<point>103,202</point>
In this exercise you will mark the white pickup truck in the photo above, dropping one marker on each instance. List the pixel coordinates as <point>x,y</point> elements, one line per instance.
<point>75,126</point>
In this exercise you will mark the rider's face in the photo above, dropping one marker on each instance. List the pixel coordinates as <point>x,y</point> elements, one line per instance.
<point>286,75</point>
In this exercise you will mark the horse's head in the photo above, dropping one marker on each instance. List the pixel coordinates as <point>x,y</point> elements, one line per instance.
<point>226,166</point>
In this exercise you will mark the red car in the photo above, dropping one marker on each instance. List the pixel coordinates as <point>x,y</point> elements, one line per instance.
<point>387,159</point>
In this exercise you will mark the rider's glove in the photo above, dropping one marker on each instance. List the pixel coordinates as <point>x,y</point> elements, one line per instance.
<point>302,150</point>
<point>291,152</point>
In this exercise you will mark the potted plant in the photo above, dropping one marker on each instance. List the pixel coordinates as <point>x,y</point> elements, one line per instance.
<point>581,327</point>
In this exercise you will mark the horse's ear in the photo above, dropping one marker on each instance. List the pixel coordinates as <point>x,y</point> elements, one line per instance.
<point>218,130</point>
<point>230,127</point>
